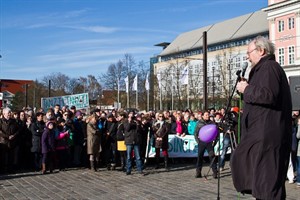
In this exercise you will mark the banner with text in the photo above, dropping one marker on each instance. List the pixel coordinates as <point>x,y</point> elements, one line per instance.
<point>186,147</point>
<point>81,101</point>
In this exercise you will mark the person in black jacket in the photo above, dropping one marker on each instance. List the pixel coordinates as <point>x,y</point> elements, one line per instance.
<point>203,145</point>
<point>111,142</point>
<point>37,129</point>
<point>132,141</point>
<point>121,139</point>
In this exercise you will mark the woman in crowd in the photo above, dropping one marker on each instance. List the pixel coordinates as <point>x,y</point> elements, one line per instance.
<point>93,141</point>
<point>161,130</point>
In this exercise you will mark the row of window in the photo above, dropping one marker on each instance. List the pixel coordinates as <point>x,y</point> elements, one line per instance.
<point>290,21</point>
<point>291,55</point>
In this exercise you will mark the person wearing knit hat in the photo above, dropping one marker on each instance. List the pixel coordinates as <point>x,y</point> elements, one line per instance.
<point>48,147</point>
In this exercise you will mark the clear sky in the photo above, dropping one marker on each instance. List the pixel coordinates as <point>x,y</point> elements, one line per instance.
<point>83,37</point>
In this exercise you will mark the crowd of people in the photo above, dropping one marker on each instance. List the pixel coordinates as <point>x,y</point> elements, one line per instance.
<point>64,137</point>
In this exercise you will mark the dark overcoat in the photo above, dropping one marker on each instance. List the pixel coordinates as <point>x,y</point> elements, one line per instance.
<point>161,131</point>
<point>259,163</point>
<point>37,129</point>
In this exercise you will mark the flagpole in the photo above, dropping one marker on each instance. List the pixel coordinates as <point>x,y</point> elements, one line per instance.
<point>136,100</point>
<point>160,100</point>
<point>118,93</point>
<point>147,100</point>
<point>188,94</point>
<point>127,89</point>
<point>172,98</point>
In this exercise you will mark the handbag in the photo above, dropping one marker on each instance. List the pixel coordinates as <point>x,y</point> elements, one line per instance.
<point>121,146</point>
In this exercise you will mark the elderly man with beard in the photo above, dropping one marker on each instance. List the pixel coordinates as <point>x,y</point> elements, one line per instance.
<point>259,164</point>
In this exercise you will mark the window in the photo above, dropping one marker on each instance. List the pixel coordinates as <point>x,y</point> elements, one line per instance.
<point>281,56</point>
<point>291,55</point>
<point>280,25</point>
<point>291,23</point>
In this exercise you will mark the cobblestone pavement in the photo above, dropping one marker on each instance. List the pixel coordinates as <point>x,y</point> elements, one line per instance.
<point>177,183</point>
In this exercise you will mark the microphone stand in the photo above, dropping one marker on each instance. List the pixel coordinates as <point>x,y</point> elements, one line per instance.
<point>238,73</point>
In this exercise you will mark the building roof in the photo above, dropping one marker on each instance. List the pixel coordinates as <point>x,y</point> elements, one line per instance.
<point>243,26</point>
<point>13,86</point>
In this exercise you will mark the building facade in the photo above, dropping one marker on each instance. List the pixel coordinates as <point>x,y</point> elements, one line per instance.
<point>284,31</point>
<point>227,43</point>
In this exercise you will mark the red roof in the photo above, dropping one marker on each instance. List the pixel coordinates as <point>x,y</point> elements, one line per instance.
<point>13,86</point>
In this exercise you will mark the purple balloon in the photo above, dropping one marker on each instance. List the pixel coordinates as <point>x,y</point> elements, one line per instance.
<point>208,133</point>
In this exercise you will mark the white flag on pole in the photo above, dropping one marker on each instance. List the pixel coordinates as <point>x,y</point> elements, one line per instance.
<point>184,79</point>
<point>159,79</point>
<point>126,83</point>
<point>135,83</point>
<point>147,86</point>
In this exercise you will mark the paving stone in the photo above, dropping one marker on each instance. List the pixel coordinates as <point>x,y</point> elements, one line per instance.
<point>178,183</point>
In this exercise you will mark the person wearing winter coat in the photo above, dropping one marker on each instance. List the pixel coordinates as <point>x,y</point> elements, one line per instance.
<point>93,141</point>
<point>48,147</point>
<point>161,132</point>
<point>265,145</point>
<point>121,139</point>
<point>61,144</point>
<point>9,132</point>
<point>132,141</point>
<point>37,129</point>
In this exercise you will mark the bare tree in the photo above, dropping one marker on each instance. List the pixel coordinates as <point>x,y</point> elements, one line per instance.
<point>94,87</point>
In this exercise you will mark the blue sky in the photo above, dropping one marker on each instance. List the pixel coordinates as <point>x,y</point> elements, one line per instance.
<point>83,37</point>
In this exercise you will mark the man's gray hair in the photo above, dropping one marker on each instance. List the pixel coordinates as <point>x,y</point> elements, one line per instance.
<point>264,43</point>
<point>6,110</point>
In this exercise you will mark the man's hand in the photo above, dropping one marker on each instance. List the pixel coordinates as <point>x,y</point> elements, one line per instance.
<point>241,86</point>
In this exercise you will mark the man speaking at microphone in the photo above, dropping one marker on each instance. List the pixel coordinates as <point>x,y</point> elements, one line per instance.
<point>259,163</point>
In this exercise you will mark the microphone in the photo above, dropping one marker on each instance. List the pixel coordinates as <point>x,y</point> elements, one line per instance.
<point>245,65</point>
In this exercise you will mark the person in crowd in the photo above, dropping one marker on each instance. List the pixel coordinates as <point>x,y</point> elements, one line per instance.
<point>48,147</point>
<point>203,145</point>
<point>102,125</point>
<point>298,153</point>
<point>61,144</point>
<point>69,126</point>
<point>177,125</point>
<point>111,142</point>
<point>73,110</point>
<point>9,132</point>
<point>132,142</point>
<point>292,169</point>
<point>57,112</point>
<point>185,123</point>
<point>37,129</point>
<point>161,132</point>
<point>49,115</point>
<point>78,138</point>
<point>122,117</point>
<point>93,141</point>
<point>229,128</point>
<point>24,140</point>
<point>146,130</point>
<point>192,125</point>
<point>265,144</point>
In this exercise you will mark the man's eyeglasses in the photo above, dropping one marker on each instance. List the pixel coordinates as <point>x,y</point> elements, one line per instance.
<point>160,116</point>
<point>248,52</point>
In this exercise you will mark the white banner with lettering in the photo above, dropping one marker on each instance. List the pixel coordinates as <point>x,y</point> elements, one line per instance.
<point>79,100</point>
<point>186,147</point>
